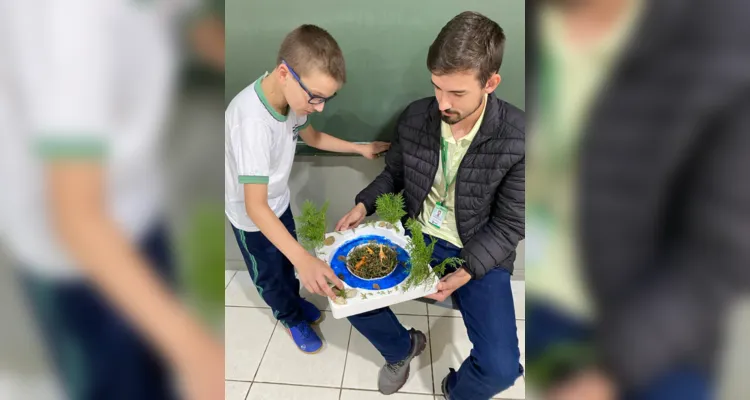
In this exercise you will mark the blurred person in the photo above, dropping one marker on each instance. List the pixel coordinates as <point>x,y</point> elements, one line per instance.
<point>88,87</point>
<point>263,123</point>
<point>458,157</point>
<point>638,195</point>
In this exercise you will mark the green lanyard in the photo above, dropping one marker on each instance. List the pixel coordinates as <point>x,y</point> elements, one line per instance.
<point>547,90</point>
<point>448,183</point>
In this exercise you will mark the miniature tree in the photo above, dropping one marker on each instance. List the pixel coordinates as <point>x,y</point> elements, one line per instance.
<point>390,208</point>
<point>311,225</point>
<point>420,258</point>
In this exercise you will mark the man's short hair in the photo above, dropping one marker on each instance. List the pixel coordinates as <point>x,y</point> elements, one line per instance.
<point>469,41</point>
<point>309,48</point>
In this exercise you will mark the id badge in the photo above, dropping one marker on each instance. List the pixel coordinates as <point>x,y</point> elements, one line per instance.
<point>438,215</point>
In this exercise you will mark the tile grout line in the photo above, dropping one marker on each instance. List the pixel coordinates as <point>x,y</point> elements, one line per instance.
<point>230,281</point>
<point>257,307</point>
<point>248,391</point>
<point>432,362</point>
<point>399,392</point>
<point>346,358</point>
<point>268,344</point>
<point>298,385</point>
<point>376,391</point>
<point>341,389</point>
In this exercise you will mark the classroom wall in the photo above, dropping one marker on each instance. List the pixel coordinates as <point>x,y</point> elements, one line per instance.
<point>385,44</point>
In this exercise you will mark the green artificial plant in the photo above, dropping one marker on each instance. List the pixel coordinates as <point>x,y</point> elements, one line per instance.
<point>311,225</point>
<point>420,258</point>
<point>390,208</point>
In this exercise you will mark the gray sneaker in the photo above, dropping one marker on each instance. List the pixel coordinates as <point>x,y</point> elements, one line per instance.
<point>392,377</point>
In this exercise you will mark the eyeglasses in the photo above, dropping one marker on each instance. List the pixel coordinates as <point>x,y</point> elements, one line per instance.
<point>314,99</point>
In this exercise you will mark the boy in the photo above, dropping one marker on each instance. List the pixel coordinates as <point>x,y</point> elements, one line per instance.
<point>85,97</point>
<point>263,123</point>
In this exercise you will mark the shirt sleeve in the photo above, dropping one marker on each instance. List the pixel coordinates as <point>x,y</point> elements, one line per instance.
<point>71,102</point>
<point>254,141</point>
<point>303,122</point>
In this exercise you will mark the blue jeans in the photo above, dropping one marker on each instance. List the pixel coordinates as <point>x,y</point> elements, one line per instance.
<point>546,326</point>
<point>96,353</point>
<point>487,309</point>
<point>272,273</point>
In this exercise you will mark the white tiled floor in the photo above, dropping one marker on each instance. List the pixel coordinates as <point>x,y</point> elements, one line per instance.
<point>263,363</point>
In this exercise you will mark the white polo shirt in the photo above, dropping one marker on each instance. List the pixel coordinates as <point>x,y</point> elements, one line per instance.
<point>259,148</point>
<point>83,78</point>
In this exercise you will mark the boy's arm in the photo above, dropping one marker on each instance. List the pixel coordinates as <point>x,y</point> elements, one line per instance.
<point>313,272</point>
<point>72,130</point>
<point>117,269</point>
<point>253,144</point>
<point>324,141</point>
<point>391,180</point>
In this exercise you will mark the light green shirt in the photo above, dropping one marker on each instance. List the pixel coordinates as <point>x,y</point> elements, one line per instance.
<point>574,77</point>
<point>448,231</point>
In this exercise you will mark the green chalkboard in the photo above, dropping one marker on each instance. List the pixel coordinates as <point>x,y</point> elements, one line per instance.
<point>385,45</point>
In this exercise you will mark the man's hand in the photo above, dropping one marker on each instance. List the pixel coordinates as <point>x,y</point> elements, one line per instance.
<point>588,385</point>
<point>314,274</point>
<point>372,150</point>
<point>450,283</point>
<point>353,218</point>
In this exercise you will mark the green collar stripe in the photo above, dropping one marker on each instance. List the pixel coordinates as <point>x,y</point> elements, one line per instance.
<point>71,148</point>
<point>305,125</point>
<point>264,100</point>
<point>245,179</point>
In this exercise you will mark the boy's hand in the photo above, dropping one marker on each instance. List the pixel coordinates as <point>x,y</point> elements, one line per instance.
<point>314,274</point>
<point>372,150</point>
<point>353,218</point>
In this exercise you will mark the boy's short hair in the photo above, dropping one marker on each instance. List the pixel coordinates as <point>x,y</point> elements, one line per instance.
<point>469,41</point>
<point>311,47</point>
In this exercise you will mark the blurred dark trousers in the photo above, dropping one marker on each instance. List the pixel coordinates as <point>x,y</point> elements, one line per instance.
<point>96,354</point>
<point>487,309</point>
<point>272,273</point>
<point>547,327</point>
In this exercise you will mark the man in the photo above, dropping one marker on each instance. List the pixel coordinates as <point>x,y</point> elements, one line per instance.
<point>262,125</point>
<point>84,193</point>
<point>459,159</point>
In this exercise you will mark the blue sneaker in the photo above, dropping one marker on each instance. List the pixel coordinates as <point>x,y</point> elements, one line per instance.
<point>310,312</point>
<point>305,338</point>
